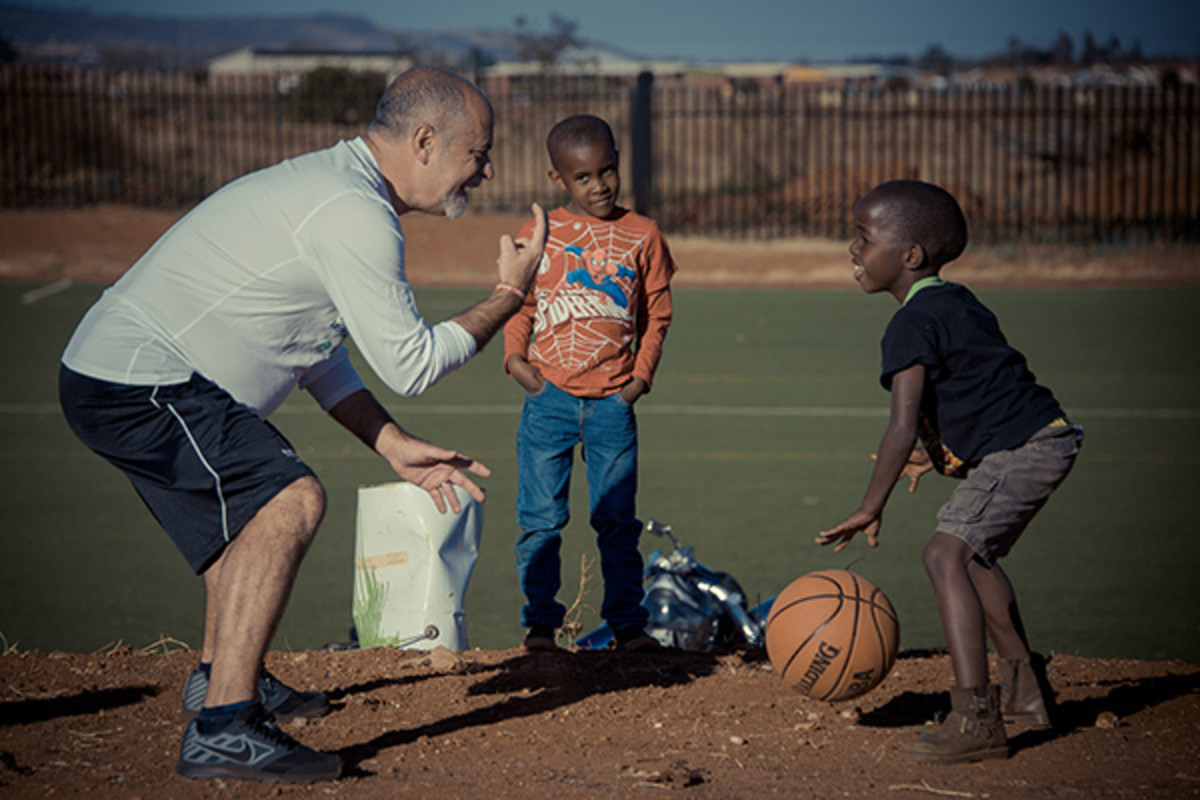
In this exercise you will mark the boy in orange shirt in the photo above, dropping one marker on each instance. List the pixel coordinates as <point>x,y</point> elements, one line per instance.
<point>585,347</point>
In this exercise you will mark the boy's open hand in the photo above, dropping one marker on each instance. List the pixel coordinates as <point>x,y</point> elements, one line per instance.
<point>917,465</point>
<point>858,521</point>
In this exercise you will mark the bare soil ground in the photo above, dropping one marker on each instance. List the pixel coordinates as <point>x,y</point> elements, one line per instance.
<point>97,244</point>
<point>506,724</point>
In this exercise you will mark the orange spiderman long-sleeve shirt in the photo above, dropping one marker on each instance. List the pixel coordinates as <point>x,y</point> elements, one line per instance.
<point>600,305</point>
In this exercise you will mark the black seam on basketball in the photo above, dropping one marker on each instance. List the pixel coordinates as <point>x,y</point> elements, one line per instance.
<point>810,576</point>
<point>884,667</point>
<point>778,609</point>
<point>796,651</point>
<point>848,650</point>
<point>885,606</point>
<point>889,652</point>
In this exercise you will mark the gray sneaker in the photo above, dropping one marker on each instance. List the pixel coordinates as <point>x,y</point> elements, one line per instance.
<point>252,748</point>
<point>281,702</point>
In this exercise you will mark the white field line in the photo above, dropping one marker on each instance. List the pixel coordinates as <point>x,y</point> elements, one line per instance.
<point>666,409</point>
<point>42,292</point>
<point>749,412</point>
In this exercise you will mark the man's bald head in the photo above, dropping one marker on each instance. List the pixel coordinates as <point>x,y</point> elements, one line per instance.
<point>429,96</point>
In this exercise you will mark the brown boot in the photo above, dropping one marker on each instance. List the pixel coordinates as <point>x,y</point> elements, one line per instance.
<point>1024,692</point>
<point>972,731</point>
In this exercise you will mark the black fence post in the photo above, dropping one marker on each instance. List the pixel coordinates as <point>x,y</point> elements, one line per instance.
<point>641,157</point>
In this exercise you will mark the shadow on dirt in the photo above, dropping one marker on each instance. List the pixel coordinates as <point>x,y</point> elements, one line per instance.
<point>1121,698</point>
<point>24,712</point>
<point>531,684</point>
<point>909,708</point>
<point>336,695</point>
<point>1124,699</point>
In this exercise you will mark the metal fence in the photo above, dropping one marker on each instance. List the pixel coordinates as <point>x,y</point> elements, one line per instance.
<point>1097,164</point>
<point>1045,164</point>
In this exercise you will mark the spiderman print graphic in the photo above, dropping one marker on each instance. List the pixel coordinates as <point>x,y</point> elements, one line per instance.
<point>594,285</point>
<point>597,273</point>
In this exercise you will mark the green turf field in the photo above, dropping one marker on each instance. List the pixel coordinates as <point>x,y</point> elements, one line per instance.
<point>757,435</point>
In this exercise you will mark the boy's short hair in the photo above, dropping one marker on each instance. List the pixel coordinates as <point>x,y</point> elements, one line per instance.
<point>927,215</point>
<point>577,130</point>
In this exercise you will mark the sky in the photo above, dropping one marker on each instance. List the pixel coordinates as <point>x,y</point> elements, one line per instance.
<point>724,30</point>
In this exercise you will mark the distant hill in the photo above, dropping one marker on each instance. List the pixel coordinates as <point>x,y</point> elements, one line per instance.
<point>122,40</point>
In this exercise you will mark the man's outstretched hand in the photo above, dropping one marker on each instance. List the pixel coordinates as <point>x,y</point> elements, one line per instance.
<point>435,469</point>
<point>438,470</point>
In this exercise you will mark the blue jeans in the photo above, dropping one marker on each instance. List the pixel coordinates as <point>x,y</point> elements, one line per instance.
<point>552,423</point>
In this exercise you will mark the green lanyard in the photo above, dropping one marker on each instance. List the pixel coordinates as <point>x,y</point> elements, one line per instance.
<point>924,283</point>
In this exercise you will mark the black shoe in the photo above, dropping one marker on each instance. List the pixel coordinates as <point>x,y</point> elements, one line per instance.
<point>284,704</point>
<point>540,639</point>
<point>252,748</point>
<point>281,702</point>
<point>636,640</point>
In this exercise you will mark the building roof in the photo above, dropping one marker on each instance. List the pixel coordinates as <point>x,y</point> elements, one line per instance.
<point>254,61</point>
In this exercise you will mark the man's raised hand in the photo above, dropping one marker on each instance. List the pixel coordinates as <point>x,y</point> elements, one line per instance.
<point>519,257</point>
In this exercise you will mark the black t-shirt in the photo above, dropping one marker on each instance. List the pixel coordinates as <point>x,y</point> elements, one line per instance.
<point>979,395</point>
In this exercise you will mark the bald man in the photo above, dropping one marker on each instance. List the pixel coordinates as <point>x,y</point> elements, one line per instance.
<point>172,374</point>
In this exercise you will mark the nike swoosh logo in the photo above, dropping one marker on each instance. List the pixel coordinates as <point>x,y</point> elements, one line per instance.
<point>245,752</point>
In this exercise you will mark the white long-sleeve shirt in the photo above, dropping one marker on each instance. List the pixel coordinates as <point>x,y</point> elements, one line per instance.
<point>259,285</point>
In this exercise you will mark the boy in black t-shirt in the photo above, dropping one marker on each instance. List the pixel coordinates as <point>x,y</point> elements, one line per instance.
<point>968,395</point>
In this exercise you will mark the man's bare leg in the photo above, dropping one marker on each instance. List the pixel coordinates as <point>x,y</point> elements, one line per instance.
<point>248,588</point>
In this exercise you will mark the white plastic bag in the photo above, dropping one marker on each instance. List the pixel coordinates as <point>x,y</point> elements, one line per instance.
<point>411,567</point>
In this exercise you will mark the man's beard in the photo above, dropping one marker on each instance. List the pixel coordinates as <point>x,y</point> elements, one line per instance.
<point>454,205</point>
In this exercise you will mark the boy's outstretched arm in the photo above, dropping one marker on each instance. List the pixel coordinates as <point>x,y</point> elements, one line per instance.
<point>894,451</point>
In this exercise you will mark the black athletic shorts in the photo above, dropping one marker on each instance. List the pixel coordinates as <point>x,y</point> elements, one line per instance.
<point>203,463</point>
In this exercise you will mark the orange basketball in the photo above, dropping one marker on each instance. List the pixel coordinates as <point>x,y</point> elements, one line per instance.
<point>832,635</point>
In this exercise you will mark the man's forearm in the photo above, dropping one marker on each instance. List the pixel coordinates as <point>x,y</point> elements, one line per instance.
<point>361,414</point>
<point>488,316</point>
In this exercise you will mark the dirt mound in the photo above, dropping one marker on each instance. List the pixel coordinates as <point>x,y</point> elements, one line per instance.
<point>97,244</point>
<point>506,724</point>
